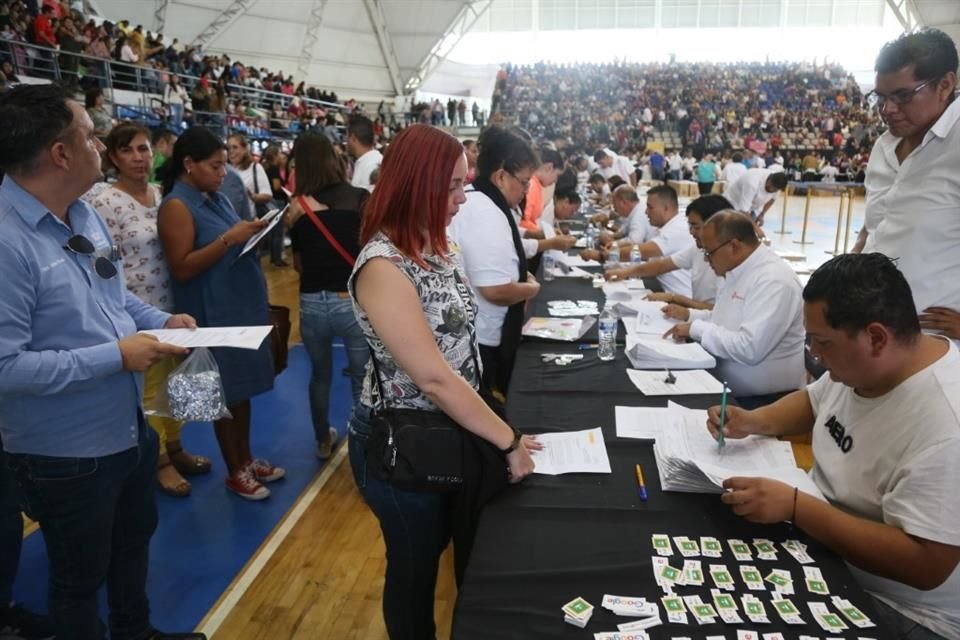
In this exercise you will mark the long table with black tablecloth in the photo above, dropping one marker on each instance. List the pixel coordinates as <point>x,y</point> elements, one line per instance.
<point>553,538</point>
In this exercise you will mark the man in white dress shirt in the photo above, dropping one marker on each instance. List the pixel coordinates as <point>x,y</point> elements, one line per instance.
<point>886,440</point>
<point>756,327</point>
<point>704,282</point>
<point>360,145</point>
<point>754,192</point>
<point>912,178</point>
<point>612,164</point>
<point>634,227</point>
<point>734,169</point>
<point>672,237</point>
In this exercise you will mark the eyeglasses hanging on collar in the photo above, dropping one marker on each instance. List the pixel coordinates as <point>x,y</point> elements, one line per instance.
<point>82,246</point>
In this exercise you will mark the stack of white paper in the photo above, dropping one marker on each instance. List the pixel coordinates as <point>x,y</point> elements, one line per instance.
<point>645,317</point>
<point>624,290</point>
<point>689,459</point>
<point>653,352</point>
<point>679,383</point>
<point>572,452</point>
<point>565,329</point>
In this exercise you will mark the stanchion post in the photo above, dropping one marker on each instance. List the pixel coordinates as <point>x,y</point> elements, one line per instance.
<point>806,217</point>
<point>846,234</point>
<point>783,216</point>
<point>836,240</point>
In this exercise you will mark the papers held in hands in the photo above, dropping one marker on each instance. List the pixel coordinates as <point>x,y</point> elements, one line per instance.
<point>689,461</point>
<point>239,337</point>
<point>563,329</point>
<point>572,452</point>
<point>655,352</point>
<point>272,217</point>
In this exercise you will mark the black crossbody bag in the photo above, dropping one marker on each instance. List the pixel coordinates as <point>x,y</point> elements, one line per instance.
<point>414,449</point>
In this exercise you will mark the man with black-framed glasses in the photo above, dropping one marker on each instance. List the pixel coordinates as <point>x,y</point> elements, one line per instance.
<point>71,364</point>
<point>755,329</point>
<point>912,182</point>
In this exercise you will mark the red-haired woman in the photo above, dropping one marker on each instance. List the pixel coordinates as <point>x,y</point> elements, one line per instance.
<point>417,312</point>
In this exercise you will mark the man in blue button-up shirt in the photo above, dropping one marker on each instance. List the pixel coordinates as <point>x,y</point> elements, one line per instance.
<point>71,364</point>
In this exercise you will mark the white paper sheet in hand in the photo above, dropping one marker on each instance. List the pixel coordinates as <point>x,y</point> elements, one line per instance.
<point>686,383</point>
<point>649,319</point>
<point>576,261</point>
<point>624,290</point>
<point>273,217</point>
<point>239,337</point>
<point>650,352</point>
<point>572,452</point>
<point>571,272</point>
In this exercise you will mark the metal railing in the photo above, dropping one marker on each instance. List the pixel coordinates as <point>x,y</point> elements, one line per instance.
<point>81,71</point>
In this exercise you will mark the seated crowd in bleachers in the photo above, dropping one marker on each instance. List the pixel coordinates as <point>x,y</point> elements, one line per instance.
<point>703,107</point>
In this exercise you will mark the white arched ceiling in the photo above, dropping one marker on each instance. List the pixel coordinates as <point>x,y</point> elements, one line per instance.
<point>350,47</point>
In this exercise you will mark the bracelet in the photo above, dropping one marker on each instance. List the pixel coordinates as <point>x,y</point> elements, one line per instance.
<point>223,239</point>
<point>514,444</point>
<point>793,518</point>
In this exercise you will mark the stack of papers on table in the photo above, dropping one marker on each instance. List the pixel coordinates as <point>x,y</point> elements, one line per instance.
<point>679,383</point>
<point>564,270</point>
<point>564,329</point>
<point>690,461</point>
<point>644,317</point>
<point>572,452</point>
<point>624,290</point>
<point>573,308</point>
<point>654,352</point>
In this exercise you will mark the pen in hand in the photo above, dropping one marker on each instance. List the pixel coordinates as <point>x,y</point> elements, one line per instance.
<point>641,486</point>
<point>723,416</point>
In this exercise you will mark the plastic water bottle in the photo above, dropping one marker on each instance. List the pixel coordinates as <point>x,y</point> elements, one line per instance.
<point>549,264</point>
<point>591,235</point>
<point>607,328</point>
<point>635,256</point>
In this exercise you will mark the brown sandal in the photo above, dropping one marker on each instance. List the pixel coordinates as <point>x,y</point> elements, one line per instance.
<point>179,490</point>
<point>188,464</point>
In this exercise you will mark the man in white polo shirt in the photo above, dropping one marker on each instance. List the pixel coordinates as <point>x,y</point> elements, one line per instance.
<point>886,440</point>
<point>671,237</point>
<point>755,329</point>
<point>912,179</point>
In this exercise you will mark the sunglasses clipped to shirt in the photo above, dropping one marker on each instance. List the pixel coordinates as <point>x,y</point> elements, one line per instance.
<point>82,246</point>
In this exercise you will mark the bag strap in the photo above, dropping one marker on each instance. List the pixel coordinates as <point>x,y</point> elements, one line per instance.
<point>322,228</point>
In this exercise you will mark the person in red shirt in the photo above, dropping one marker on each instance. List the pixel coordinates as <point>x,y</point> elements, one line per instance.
<point>43,33</point>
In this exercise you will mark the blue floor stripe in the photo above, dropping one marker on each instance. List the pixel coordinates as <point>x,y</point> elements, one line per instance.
<point>204,540</point>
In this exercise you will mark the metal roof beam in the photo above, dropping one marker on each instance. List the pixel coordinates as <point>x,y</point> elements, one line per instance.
<point>160,15</point>
<point>310,38</point>
<point>468,15</point>
<point>223,20</point>
<point>377,21</point>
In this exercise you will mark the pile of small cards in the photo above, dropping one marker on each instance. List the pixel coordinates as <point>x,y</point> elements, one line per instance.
<point>573,309</point>
<point>577,612</point>
<point>648,612</point>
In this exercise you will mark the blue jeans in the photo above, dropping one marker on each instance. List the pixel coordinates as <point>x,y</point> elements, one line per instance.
<point>416,530</point>
<point>903,627</point>
<point>97,516</point>
<point>11,531</point>
<point>323,316</point>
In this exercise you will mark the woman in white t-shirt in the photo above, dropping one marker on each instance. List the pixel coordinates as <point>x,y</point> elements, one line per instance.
<point>492,249</point>
<point>175,96</point>
<point>129,207</point>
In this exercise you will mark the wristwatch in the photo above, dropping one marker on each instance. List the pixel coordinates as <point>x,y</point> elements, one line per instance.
<point>513,445</point>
